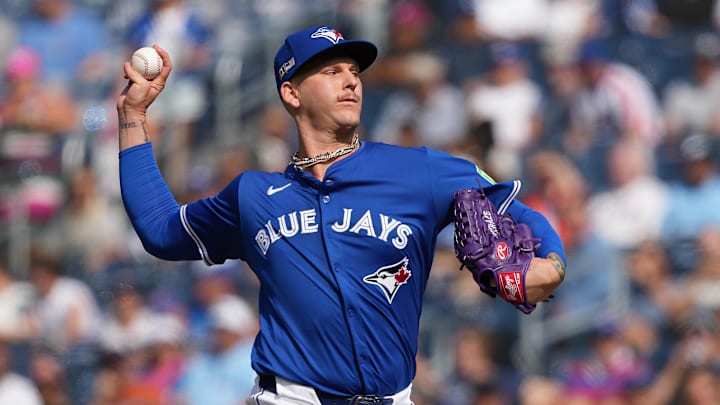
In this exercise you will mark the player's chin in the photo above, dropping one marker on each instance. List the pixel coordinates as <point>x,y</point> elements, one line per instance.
<point>349,119</point>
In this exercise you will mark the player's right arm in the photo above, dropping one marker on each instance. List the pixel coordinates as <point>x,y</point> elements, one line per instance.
<point>158,220</point>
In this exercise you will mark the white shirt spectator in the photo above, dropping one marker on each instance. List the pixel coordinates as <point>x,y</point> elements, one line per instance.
<point>510,108</point>
<point>138,333</point>
<point>16,389</point>
<point>634,208</point>
<point>15,307</point>
<point>511,19</point>
<point>569,21</point>
<point>69,301</point>
<point>692,105</point>
<point>630,214</point>
<point>510,102</point>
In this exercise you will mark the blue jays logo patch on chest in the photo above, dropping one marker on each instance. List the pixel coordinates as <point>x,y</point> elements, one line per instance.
<point>390,278</point>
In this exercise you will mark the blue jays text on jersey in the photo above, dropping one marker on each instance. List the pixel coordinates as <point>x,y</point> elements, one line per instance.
<point>343,262</point>
<point>288,225</point>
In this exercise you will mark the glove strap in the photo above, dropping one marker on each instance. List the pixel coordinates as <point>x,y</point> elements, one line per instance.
<point>511,286</point>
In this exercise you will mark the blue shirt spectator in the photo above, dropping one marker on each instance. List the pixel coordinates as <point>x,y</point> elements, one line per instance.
<point>222,375</point>
<point>56,25</point>
<point>694,201</point>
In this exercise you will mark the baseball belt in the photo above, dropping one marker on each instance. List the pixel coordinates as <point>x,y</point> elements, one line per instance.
<point>267,382</point>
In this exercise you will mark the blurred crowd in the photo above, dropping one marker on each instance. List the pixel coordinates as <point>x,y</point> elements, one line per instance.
<point>606,109</point>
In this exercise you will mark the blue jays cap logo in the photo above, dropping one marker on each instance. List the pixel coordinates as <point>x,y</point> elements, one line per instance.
<point>390,278</point>
<point>330,34</point>
<point>302,46</point>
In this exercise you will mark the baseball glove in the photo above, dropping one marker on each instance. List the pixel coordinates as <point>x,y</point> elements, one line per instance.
<point>496,249</point>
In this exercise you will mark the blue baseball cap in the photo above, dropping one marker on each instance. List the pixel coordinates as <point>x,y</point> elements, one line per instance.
<point>299,48</point>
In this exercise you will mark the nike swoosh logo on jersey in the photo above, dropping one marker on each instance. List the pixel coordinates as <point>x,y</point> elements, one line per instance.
<point>272,190</point>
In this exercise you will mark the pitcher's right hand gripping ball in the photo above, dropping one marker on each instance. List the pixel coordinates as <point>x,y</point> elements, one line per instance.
<point>495,248</point>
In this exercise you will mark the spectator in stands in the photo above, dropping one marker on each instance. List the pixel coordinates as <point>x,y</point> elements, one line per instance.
<point>563,86</point>
<point>68,321</point>
<point>478,369</point>
<point>570,22</point>
<point>557,189</point>
<point>117,382</point>
<point>633,208</point>
<point>464,49</point>
<point>702,284</point>
<point>178,28</point>
<point>509,101</point>
<point>17,323</point>
<point>658,18</point>
<point>166,355</point>
<point>702,386</point>
<point>539,390</point>
<point>7,37</point>
<point>656,296</point>
<point>694,201</point>
<point>146,377</point>
<point>426,384</point>
<point>15,388</point>
<point>221,374</point>
<point>605,370</point>
<point>51,378</point>
<point>616,102</point>
<point>84,64</point>
<point>274,144</point>
<point>130,325</point>
<point>511,20</point>
<point>692,104</point>
<point>410,30</point>
<point>429,106</point>
<point>208,287</point>
<point>90,230</point>
<point>560,192</point>
<point>30,105</point>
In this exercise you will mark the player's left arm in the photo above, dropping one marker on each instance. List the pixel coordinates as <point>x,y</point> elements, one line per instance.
<point>448,174</point>
<point>547,269</point>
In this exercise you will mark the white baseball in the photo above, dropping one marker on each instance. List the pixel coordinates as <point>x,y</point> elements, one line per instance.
<point>147,61</point>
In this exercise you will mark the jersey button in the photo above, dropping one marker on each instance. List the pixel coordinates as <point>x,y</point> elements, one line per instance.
<point>351,312</point>
<point>326,199</point>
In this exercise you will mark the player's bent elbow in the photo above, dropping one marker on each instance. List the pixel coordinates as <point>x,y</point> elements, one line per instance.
<point>161,249</point>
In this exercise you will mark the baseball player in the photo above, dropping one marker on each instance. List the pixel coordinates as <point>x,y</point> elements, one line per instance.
<point>342,241</point>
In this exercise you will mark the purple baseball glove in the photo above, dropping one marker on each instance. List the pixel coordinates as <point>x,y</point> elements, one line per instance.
<point>496,249</point>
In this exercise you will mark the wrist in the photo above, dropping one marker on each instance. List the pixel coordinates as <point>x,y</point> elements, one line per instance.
<point>130,114</point>
<point>132,130</point>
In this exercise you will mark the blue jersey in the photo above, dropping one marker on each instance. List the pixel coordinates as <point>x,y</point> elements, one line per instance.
<point>342,262</point>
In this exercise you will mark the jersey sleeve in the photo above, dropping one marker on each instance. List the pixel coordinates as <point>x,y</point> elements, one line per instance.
<point>214,225</point>
<point>448,174</point>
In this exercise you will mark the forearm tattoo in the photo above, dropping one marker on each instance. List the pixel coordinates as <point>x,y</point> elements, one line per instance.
<point>124,126</point>
<point>557,264</point>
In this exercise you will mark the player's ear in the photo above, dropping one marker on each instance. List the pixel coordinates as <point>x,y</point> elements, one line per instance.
<point>289,94</point>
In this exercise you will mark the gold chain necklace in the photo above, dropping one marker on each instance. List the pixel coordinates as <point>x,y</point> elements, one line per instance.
<point>304,163</point>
